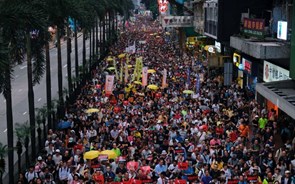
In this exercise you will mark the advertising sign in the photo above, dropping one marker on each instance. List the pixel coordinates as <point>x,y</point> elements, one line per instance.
<point>163,5</point>
<point>109,84</point>
<point>144,76</point>
<point>254,27</point>
<point>282,30</point>
<point>177,21</point>
<point>273,72</point>
<point>247,66</point>
<point>164,80</point>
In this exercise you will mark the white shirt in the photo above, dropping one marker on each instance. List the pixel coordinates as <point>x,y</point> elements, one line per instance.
<point>162,181</point>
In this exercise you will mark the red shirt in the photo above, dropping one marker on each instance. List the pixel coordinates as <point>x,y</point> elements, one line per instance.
<point>233,136</point>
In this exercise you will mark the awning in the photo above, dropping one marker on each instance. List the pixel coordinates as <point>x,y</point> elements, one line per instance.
<point>280,93</point>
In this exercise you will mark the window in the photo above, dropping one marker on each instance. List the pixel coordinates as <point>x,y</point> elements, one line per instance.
<point>211,18</point>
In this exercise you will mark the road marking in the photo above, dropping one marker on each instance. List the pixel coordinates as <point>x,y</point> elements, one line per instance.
<point>65,65</point>
<point>39,99</point>
<point>5,130</point>
<point>20,90</point>
<point>23,67</point>
<point>25,113</point>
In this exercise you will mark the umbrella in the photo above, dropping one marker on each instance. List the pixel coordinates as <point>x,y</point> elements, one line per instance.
<point>91,154</point>
<point>121,56</point>
<point>153,87</point>
<point>91,110</point>
<point>188,92</point>
<point>151,71</point>
<point>137,82</point>
<point>109,59</point>
<point>64,124</point>
<point>132,165</point>
<point>110,153</point>
<point>111,68</point>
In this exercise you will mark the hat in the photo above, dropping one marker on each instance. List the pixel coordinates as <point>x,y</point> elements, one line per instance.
<point>39,158</point>
<point>256,116</point>
<point>57,151</point>
<point>287,172</point>
<point>164,152</point>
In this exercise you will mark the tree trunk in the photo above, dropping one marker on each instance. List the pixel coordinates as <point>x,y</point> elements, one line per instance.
<point>117,33</point>
<point>27,151</point>
<point>19,147</point>
<point>100,38</point>
<point>84,52</point>
<point>39,137</point>
<point>93,45</point>
<point>104,35</point>
<point>90,49</point>
<point>109,25</point>
<point>76,51</point>
<point>59,75</point>
<point>96,39</point>
<point>114,32</point>
<point>48,84</point>
<point>31,94</point>
<point>44,129</point>
<point>69,61</point>
<point>9,117</point>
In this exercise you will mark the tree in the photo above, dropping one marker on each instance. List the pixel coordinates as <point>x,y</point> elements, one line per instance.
<point>23,132</point>
<point>58,12</point>
<point>33,23</point>
<point>16,19</point>
<point>3,153</point>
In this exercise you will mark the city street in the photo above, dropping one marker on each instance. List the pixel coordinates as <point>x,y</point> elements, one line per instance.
<point>20,92</point>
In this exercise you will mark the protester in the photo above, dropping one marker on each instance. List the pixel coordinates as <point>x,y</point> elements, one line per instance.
<point>217,134</point>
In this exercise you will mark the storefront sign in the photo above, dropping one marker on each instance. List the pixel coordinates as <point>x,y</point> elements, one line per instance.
<point>237,60</point>
<point>177,21</point>
<point>163,6</point>
<point>218,46</point>
<point>282,30</point>
<point>273,72</point>
<point>247,66</point>
<point>254,27</point>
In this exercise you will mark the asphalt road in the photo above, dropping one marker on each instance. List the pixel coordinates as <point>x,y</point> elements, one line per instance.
<point>20,92</point>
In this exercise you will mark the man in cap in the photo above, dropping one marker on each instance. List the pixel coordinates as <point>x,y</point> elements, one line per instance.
<point>287,178</point>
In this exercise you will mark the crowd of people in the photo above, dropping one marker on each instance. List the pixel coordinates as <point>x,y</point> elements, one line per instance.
<point>219,134</point>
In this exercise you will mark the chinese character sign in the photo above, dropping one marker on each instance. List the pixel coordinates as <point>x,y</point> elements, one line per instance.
<point>254,27</point>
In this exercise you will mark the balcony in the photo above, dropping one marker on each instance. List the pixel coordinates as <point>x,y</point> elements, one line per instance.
<point>261,49</point>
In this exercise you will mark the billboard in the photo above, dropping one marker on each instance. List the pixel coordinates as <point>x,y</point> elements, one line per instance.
<point>282,32</point>
<point>177,21</point>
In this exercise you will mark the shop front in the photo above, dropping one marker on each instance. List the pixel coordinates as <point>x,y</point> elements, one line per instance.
<point>272,73</point>
<point>245,71</point>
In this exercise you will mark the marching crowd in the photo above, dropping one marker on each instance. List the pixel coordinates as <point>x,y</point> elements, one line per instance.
<point>220,135</point>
